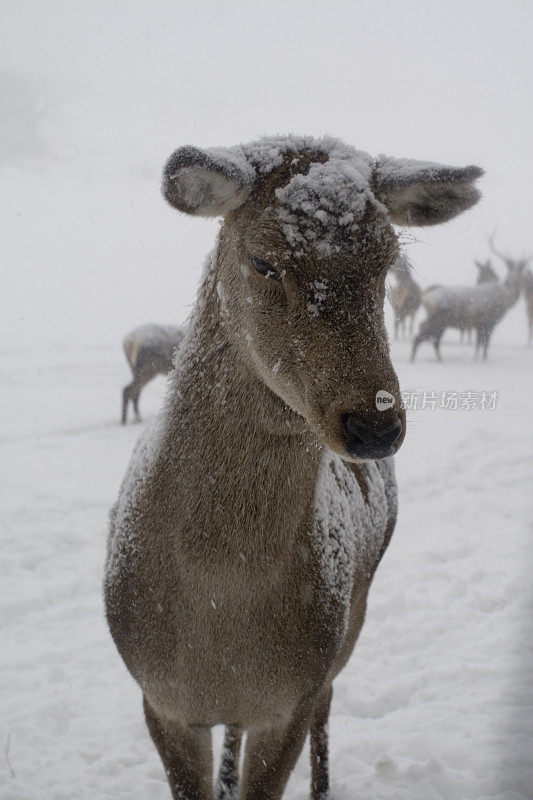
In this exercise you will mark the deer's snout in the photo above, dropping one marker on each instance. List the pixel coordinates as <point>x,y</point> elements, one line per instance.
<point>369,441</point>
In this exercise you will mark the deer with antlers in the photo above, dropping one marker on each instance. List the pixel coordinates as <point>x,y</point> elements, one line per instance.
<point>479,307</point>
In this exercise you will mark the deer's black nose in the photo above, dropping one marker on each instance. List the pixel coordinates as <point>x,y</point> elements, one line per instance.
<point>366,441</point>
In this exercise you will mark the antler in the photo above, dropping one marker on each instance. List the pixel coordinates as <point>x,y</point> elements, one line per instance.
<point>524,261</point>
<point>493,249</point>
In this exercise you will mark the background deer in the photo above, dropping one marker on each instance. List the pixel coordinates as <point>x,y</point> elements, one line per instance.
<point>486,274</point>
<point>479,307</point>
<point>527,288</point>
<point>255,512</point>
<point>405,296</point>
<point>150,350</point>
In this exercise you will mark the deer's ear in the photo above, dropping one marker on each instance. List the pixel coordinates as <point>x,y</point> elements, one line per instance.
<point>207,183</point>
<point>423,193</point>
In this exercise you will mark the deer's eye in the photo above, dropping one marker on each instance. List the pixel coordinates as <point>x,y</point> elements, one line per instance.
<point>265,269</point>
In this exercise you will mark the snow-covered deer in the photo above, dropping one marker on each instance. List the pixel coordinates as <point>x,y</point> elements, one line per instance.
<point>255,512</point>
<point>405,296</point>
<point>149,350</point>
<point>479,307</point>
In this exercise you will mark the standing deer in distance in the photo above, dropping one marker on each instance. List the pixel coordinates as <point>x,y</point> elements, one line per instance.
<point>479,307</point>
<point>527,288</point>
<point>405,296</point>
<point>150,351</point>
<point>485,274</point>
<point>256,510</point>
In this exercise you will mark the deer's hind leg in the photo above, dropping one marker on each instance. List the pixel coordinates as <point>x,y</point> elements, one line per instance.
<point>424,333</point>
<point>127,394</point>
<point>319,747</point>
<point>436,343</point>
<point>125,401</point>
<point>186,755</point>
<point>486,341</point>
<point>135,399</point>
<point>132,392</point>
<point>145,374</point>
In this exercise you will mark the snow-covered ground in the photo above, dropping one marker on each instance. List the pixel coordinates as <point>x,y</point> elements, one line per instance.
<point>437,701</point>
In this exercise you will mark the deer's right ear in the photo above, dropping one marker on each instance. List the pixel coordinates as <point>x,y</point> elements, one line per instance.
<point>423,193</point>
<point>207,183</point>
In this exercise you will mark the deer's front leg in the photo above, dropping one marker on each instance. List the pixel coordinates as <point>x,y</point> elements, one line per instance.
<point>186,755</point>
<point>319,747</point>
<point>271,755</point>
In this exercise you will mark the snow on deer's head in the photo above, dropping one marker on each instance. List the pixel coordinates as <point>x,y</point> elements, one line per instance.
<point>304,249</point>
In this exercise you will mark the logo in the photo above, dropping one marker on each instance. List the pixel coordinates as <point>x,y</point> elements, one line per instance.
<point>384,400</point>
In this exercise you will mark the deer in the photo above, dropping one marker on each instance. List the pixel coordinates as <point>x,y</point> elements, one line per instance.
<point>479,307</point>
<point>405,296</point>
<point>527,289</point>
<point>486,274</point>
<point>149,350</point>
<point>258,505</point>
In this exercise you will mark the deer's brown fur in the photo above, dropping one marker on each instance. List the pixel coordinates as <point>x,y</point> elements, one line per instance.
<point>248,530</point>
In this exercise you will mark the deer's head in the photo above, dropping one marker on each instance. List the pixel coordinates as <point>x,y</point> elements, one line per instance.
<point>304,249</point>
<point>515,266</point>
<point>486,272</point>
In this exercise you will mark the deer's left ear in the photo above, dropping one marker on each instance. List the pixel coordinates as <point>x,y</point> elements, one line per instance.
<point>423,193</point>
<point>207,183</point>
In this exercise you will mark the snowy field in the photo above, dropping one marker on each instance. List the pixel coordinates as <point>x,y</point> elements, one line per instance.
<point>437,701</point>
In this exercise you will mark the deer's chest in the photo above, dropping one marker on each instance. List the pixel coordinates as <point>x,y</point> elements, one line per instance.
<point>239,642</point>
<point>349,528</point>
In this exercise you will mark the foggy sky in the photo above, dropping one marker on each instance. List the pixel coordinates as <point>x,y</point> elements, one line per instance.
<point>91,249</point>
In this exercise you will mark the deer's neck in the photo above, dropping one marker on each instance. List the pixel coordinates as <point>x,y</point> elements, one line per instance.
<point>251,462</point>
<point>512,292</point>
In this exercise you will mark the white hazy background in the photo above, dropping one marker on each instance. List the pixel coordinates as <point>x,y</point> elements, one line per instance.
<point>95,96</point>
